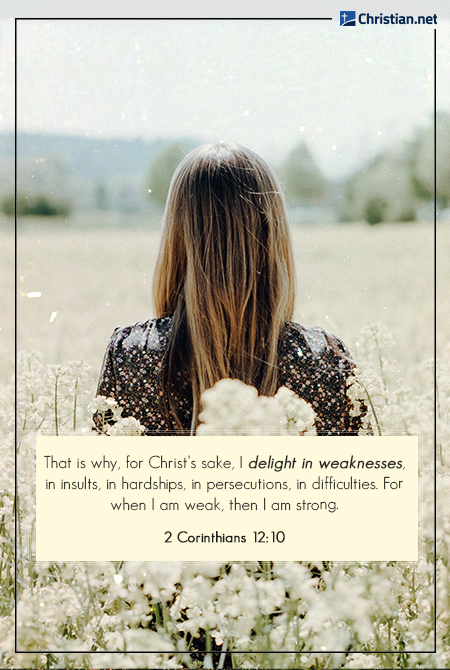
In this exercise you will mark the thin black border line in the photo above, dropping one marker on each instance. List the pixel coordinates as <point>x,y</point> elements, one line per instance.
<point>15,338</point>
<point>435,358</point>
<point>15,346</point>
<point>177,18</point>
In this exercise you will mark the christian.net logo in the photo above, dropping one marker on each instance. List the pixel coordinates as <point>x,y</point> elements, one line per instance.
<point>348,18</point>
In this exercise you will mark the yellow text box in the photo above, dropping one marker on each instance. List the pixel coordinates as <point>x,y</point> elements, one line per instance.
<point>244,498</point>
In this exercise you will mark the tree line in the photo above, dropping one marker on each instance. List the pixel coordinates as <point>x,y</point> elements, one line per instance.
<point>390,187</point>
<point>393,186</point>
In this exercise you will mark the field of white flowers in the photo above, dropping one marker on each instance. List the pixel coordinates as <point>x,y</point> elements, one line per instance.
<point>373,287</point>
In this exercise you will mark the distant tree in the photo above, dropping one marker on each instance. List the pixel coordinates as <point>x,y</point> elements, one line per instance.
<point>101,196</point>
<point>8,205</point>
<point>162,169</point>
<point>375,210</point>
<point>303,181</point>
<point>42,206</point>
<point>381,190</point>
<point>39,205</point>
<point>422,160</point>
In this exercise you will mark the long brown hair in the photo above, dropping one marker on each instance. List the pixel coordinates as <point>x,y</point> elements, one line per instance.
<point>224,273</point>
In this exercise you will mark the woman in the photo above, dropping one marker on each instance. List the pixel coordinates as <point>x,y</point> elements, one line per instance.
<point>224,295</point>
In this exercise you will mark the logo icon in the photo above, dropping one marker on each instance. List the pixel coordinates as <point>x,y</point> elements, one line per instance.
<point>348,18</point>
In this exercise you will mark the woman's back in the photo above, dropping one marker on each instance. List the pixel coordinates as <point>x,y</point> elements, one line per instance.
<point>311,363</point>
<point>223,291</point>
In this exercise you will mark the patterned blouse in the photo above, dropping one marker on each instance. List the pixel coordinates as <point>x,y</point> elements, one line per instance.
<point>312,363</point>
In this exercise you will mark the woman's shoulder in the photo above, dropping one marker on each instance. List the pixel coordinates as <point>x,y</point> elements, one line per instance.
<point>312,341</point>
<point>142,335</point>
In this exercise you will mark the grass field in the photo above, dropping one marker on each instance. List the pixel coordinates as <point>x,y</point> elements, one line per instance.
<point>348,276</point>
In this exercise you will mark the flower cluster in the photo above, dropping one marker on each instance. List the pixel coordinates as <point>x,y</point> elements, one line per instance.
<point>109,419</point>
<point>233,408</point>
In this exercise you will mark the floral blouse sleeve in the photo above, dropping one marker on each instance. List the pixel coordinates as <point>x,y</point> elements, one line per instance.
<point>107,381</point>
<point>318,367</point>
<point>106,386</point>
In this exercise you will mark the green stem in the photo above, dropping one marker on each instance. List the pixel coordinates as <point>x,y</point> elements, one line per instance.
<point>75,407</point>
<point>266,569</point>
<point>16,508</point>
<point>56,405</point>
<point>157,611</point>
<point>222,655</point>
<point>381,364</point>
<point>164,615</point>
<point>208,647</point>
<point>372,408</point>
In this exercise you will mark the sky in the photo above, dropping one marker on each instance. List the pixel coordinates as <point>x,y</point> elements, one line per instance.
<point>266,84</point>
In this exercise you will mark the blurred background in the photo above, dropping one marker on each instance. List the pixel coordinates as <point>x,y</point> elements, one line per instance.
<point>106,109</point>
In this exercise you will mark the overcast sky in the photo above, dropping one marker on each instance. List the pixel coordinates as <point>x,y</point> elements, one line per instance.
<point>266,84</point>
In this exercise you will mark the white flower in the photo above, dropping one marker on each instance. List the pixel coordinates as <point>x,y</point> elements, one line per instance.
<point>297,580</point>
<point>270,594</point>
<point>234,408</point>
<point>363,386</point>
<point>102,404</point>
<point>158,579</point>
<point>299,414</point>
<point>127,426</point>
<point>204,568</point>
<point>146,640</point>
<point>362,661</point>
